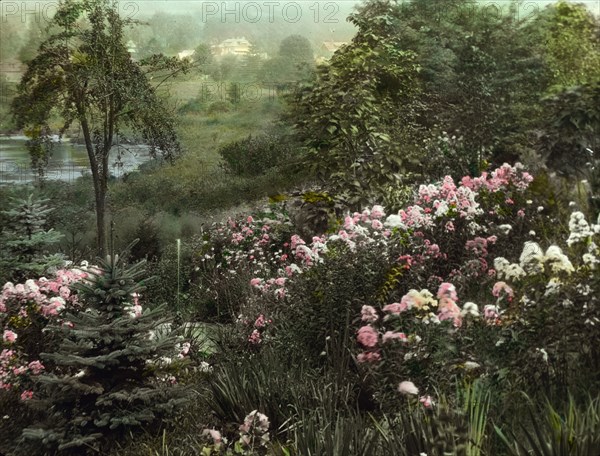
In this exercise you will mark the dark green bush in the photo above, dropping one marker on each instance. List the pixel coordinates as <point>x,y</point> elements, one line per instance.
<point>253,156</point>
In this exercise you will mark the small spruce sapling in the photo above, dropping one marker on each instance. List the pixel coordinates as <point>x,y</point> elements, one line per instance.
<point>107,371</point>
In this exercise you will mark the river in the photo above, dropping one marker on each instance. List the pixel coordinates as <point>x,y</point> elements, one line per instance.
<point>68,161</point>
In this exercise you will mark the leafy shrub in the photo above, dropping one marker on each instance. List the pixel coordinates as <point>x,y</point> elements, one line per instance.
<point>253,156</point>
<point>218,107</point>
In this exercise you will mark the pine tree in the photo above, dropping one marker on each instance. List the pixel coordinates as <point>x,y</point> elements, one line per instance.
<point>106,371</point>
<point>25,240</point>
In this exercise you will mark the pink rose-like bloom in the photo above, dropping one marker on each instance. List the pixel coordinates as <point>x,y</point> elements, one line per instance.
<point>260,321</point>
<point>395,308</point>
<point>502,287</point>
<point>250,219</point>
<point>367,336</point>
<point>255,338</point>
<point>368,357</point>
<point>214,435</point>
<point>447,290</point>
<point>54,306</point>
<point>448,310</point>
<point>348,223</point>
<point>369,314</point>
<point>26,395</point>
<point>426,401</point>
<point>408,388</point>
<point>490,312</point>
<point>280,281</point>
<point>255,282</point>
<point>392,335</point>
<point>36,367</point>
<point>65,292</point>
<point>377,212</point>
<point>521,213</point>
<point>449,226</point>
<point>376,225</point>
<point>9,336</point>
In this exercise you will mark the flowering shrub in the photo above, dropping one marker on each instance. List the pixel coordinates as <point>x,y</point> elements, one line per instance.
<point>428,294</point>
<point>25,311</point>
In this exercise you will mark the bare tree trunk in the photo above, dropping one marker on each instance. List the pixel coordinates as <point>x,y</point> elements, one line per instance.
<point>99,185</point>
<point>100,223</point>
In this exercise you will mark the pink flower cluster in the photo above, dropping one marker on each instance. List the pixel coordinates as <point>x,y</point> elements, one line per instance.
<point>260,326</point>
<point>14,372</point>
<point>38,300</point>
<point>500,179</point>
<point>447,199</point>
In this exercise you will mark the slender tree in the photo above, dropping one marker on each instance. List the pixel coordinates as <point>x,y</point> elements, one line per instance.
<point>84,74</point>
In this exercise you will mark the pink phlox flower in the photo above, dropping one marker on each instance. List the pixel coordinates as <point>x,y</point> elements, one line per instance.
<point>369,314</point>
<point>36,367</point>
<point>447,290</point>
<point>368,357</point>
<point>254,337</point>
<point>214,435</point>
<point>502,287</point>
<point>376,224</point>
<point>490,312</point>
<point>395,308</point>
<point>26,395</point>
<point>296,241</point>
<point>348,223</point>
<point>260,321</point>
<point>367,336</point>
<point>426,401</point>
<point>377,212</point>
<point>392,335</point>
<point>9,336</point>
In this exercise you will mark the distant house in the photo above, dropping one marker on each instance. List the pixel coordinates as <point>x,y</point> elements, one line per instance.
<point>186,54</point>
<point>327,49</point>
<point>132,48</point>
<point>13,69</point>
<point>232,46</point>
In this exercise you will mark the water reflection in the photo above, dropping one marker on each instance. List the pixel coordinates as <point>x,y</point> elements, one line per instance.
<point>68,162</point>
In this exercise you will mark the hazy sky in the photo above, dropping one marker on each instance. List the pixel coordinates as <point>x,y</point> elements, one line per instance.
<point>307,6</point>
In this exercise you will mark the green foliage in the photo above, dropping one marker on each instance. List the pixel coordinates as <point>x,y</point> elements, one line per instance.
<point>413,71</point>
<point>574,431</point>
<point>84,74</point>
<point>26,240</point>
<point>294,62</point>
<point>106,375</point>
<point>327,298</point>
<point>570,44</point>
<point>253,156</point>
<point>572,133</point>
<point>354,116</point>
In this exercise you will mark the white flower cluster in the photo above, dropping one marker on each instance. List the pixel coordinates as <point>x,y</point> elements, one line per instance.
<point>580,230</point>
<point>534,261</point>
<point>507,270</point>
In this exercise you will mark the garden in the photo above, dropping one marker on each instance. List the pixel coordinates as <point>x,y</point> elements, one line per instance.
<point>421,278</point>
